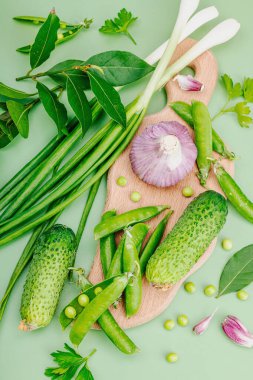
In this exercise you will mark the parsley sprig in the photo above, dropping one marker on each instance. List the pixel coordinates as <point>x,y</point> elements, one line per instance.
<point>235,91</point>
<point>69,362</point>
<point>119,24</point>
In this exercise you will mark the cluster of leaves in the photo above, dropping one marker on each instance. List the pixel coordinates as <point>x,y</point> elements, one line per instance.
<point>100,73</point>
<point>235,91</point>
<point>119,24</point>
<point>69,362</point>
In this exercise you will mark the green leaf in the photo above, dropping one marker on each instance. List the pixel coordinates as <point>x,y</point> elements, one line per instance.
<point>108,98</point>
<point>238,271</point>
<point>248,90</point>
<point>19,114</point>
<point>120,67</point>
<point>243,111</point>
<point>55,109</point>
<point>79,102</point>
<point>119,24</point>
<point>45,40</point>
<point>85,374</point>
<point>12,93</point>
<point>233,90</point>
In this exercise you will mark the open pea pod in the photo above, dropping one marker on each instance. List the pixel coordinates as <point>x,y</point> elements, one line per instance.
<point>65,321</point>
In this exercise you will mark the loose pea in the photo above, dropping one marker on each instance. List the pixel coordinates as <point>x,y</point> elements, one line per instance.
<point>187,191</point>
<point>227,244</point>
<point>210,290</point>
<point>190,287</point>
<point>182,320</point>
<point>169,324</point>
<point>242,295</point>
<point>121,181</point>
<point>98,290</point>
<point>70,312</point>
<point>83,300</point>
<point>172,357</point>
<point>135,196</point>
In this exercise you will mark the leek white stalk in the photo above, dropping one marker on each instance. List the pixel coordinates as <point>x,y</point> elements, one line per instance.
<point>199,19</point>
<point>187,8</point>
<point>220,34</point>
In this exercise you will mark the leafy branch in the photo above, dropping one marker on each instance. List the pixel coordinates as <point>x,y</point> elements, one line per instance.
<point>69,362</point>
<point>241,108</point>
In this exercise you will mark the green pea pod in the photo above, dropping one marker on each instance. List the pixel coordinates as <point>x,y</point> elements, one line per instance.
<point>184,111</point>
<point>153,242</point>
<point>115,268</point>
<point>106,321</point>
<point>203,139</point>
<point>107,246</point>
<point>96,308</point>
<point>138,232</point>
<point>121,221</point>
<point>133,292</point>
<point>234,193</point>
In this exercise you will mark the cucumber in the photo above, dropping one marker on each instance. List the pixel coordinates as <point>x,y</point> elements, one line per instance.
<point>54,252</point>
<point>194,231</point>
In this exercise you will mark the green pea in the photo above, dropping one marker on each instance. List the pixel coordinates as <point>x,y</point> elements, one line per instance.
<point>210,290</point>
<point>190,287</point>
<point>182,320</point>
<point>83,300</point>
<point>135,196</point>
<point>63,26</point>
<point>227,244</point>
<point>70,312</point>
<point>172,357</point>
<point>60,36</point>
<point>187,191</point>
<point>98,290</point>
<point>121,181</point>
<point>169,324</point>
<point>242,295</point>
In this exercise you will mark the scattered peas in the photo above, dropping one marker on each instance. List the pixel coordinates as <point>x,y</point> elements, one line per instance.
<point>190,287</point>
<point>135,196</point>
<point>169,324</point>
<point>182,320</point>
<point>121,181</point>
<point>98,290</point>
<point>242,295</point>
<point>188,191</point>
<point>172,357</point>
<point>227,244</point>
<point>70,312</point>
<point>83,300</point>
<point>210,290</point>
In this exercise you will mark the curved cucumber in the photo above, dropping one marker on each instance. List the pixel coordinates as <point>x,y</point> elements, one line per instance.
<point>200,223</point>
<point>53,255</point>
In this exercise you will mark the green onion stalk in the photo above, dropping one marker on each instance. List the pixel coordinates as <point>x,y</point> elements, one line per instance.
<point>32,217</point>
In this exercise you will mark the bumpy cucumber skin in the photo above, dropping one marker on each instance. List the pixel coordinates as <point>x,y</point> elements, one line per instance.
<point>53,255</point>
<point>200,223</point>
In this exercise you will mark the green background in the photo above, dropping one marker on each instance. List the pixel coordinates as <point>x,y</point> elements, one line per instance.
<point>24,356</point>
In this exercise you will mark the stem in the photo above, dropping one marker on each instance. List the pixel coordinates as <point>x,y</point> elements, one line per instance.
<point>222,111</point>
<point>130,36</point>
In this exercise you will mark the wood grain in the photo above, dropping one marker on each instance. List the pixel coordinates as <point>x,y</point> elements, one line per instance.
<point>156,301</point>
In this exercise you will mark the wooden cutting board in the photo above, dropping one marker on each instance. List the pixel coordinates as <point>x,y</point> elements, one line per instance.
<point>155,301</point>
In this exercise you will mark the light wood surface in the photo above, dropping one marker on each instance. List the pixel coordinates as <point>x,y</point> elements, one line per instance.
<point>155,301</point>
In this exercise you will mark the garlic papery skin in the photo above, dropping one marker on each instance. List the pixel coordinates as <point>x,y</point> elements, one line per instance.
<point>170,147</point>
<point>203,325</point>
<point>188,83</point>
<point>237,332</point>
<point>163,154</point>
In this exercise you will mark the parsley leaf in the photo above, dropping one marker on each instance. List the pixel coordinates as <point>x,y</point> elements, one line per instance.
<point>119,24</point>
<point>248,89</point>
<point>233,90</point>
<point>242,110</point>
<point>69,362</point>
